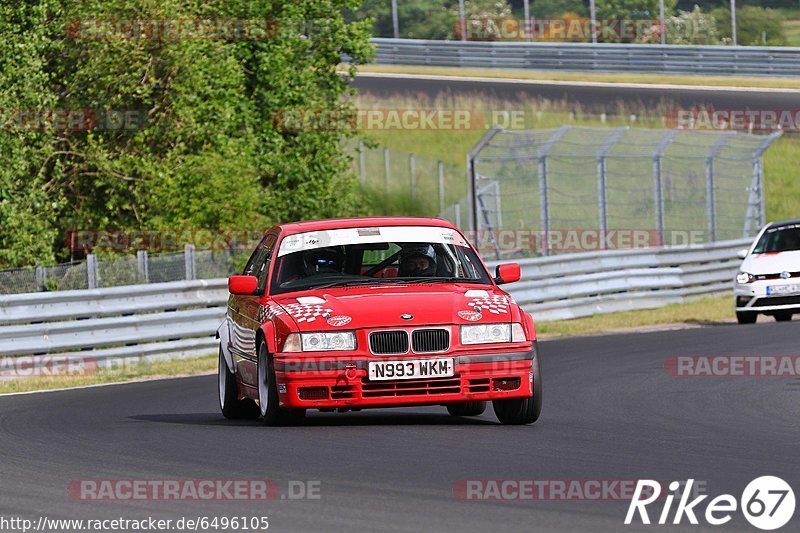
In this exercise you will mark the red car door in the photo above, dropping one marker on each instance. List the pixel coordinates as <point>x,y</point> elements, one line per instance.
<point>243,310</point>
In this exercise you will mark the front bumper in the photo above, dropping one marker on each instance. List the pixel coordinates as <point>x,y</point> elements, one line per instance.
<point>753,297</point>
<point>314,382</point>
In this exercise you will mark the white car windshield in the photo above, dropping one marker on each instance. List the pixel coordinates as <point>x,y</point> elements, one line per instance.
<point>430,255</point>
<point>779,239</point>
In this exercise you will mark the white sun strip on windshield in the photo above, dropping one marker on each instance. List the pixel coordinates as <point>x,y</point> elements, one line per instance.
<point>338,237</point>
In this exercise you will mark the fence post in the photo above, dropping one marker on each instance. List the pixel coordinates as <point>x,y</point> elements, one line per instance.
<point>41,278</point>
<point>91,271</point>
<point>711,214</point>
<point>658,185</point>
<point>387,172</point>
<point>142,266</point>
<point>602,189</point>
<point>412,169</point>
<point>440,168</point>
<point>544,206</point>
<point>762,204</point>
<point>472,183</point>
<point>188,259</point>
<point>362,171</point>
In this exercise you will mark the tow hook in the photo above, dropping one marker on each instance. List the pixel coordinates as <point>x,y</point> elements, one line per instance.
<point>350,371</point>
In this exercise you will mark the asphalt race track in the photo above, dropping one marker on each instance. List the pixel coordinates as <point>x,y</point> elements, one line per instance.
<point>591,97</point>
<point>611,412</point>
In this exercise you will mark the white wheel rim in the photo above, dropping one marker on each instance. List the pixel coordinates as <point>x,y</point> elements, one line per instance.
<point>263,393</point>
<point>222,380</point>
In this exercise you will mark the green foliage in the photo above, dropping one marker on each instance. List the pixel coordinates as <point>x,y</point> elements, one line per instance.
<point>623,9</point>
<point>208,154</point>
<point>751,21</point>
<point>427,19</point>
<point>417,19</point>
<point>687,27</point>
<point>543,9</point>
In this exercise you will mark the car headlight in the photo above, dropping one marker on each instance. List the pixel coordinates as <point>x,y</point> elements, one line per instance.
<point>745,277</point>
<point>320,342</point>
<point>483,334</point>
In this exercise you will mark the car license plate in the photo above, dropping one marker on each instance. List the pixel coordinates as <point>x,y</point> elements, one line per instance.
<point>783,289</point>
<point>411,369</point>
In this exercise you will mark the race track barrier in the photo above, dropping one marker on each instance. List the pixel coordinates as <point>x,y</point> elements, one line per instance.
<point>179,319</point>
<point>576,285</point>
<point>599,57</point>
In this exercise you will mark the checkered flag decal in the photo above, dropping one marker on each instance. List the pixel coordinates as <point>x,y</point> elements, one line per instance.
<point>494,304</point>
<point>307,312</point>
<point>268,312</point>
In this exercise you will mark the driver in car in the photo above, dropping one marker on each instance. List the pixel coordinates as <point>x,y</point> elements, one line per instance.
<point>417,261</point>
<point>322,261</point>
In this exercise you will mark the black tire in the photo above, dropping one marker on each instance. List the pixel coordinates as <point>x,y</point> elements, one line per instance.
<point>466,408</point>
<point>229,403</point>
<point>520,411</point>
<point>746,317</point>
<point>783,316</point>
<point>273,414</point>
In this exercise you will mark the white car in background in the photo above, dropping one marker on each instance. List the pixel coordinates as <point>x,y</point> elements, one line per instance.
<point>768,281</point>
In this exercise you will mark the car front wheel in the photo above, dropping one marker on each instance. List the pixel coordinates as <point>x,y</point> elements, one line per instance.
<point>271,411</point>
<point>519,411</point>
<point>783,317</point>
<point>229,402</point>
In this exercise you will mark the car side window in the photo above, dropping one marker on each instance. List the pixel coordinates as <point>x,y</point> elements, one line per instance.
<point>263,270</point>
<point>257,258</point>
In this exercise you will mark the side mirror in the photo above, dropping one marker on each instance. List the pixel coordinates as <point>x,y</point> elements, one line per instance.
<point>244,285</point>
<point>507,273</point>
<point>741,254</point>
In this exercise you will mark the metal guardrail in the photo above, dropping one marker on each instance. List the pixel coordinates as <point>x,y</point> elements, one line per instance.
<point>160,320</point>
<point>179,319</point>
<point>576,285</point>
<point>601,57</point>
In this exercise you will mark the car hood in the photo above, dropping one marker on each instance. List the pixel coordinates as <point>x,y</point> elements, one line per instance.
<point>772,263</point>
<point>384,306</point>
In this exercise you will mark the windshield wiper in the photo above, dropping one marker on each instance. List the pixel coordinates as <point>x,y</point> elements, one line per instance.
<point>345,282</point>
<point>436,280</point>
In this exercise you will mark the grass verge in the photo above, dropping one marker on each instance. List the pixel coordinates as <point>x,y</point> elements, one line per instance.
<point>127,372</point>
<point>602,77</point>
<point>695,312</point>
<point>450,146</point>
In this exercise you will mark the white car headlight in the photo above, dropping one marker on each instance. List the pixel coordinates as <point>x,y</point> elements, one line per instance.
<point>322,342</point>
<point>483,334</point>
<point>744,277</point>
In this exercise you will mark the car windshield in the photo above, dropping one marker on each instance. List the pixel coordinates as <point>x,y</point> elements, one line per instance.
<point>779,239</point>
<point>359,257</point>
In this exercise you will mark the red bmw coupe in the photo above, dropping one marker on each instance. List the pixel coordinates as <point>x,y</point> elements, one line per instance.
<point>360,313</point>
